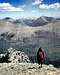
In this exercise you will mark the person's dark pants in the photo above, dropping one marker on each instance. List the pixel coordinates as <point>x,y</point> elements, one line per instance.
<point>40,61</point>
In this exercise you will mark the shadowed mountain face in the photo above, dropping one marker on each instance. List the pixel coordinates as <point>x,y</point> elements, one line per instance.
<point>29,38</point>
<point>44,20</point>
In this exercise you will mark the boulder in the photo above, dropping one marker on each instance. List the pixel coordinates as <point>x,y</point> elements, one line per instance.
<point>17,56</point>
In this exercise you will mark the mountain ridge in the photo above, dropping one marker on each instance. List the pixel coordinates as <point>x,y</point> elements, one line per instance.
<point>41,21</point>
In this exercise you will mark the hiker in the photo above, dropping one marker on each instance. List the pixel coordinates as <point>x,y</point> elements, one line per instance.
<point>40,56</point>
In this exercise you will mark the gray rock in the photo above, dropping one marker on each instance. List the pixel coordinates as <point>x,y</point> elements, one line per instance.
<point>2,55</point>
<point>17,56</point>
<point>26,69</point>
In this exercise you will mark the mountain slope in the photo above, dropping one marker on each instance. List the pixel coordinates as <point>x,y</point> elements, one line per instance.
<point>43,20</point>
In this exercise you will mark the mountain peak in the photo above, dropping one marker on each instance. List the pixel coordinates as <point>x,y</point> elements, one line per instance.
<point>43,20</point>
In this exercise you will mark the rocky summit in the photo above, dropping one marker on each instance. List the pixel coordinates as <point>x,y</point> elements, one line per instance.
<point>27,69</point>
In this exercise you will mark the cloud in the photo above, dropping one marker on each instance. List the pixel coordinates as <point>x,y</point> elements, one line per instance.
<point>37,2</point>
<point>9,7</point>
<point>51,6</point>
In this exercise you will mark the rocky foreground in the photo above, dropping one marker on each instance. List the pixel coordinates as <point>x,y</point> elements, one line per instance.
<point>27,69</point>
<point>18,63</point>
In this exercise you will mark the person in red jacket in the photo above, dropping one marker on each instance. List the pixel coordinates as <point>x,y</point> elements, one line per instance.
<point>40,56</point>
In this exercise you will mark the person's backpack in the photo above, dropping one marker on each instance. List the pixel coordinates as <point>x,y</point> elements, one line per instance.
<point>41,54</point>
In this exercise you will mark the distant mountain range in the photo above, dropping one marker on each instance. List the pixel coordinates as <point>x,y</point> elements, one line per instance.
<point>41,21</point>
<point>24,21</point>
<point>19,21</point>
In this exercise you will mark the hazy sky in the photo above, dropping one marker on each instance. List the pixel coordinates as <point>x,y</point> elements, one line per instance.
<point>29,8</point>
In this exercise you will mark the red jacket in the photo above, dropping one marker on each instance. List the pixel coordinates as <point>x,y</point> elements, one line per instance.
<point>40,54</point>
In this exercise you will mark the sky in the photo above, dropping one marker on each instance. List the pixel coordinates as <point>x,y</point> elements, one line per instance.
<point>29,8</point>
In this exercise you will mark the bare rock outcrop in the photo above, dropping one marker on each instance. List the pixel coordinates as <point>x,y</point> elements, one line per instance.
<point>14,56</point>
<point>17,56</point>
